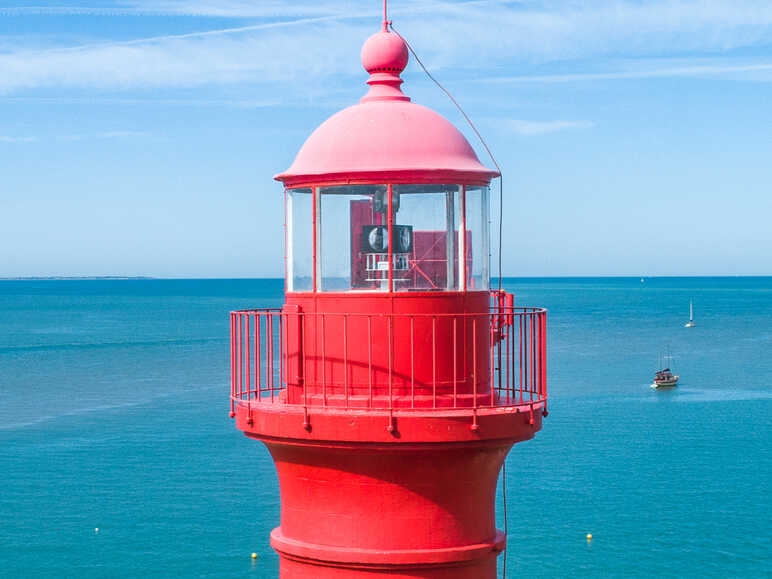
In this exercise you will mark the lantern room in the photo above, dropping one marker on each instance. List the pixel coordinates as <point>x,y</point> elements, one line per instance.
<point>386,196</point>
<point>387,237</point>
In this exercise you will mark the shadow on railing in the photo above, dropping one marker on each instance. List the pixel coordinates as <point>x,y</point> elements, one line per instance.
<point>390,361</point>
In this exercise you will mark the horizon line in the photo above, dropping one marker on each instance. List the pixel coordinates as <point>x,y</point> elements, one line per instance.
<point>205,278</point>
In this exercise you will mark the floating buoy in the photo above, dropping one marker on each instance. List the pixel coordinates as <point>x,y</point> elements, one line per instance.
<point>96,529</point>
<point>254,555</point>
<point>589,536</point>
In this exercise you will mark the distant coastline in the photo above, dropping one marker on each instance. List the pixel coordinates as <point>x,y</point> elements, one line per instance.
<point>506,277</point>
<point>73,277</point>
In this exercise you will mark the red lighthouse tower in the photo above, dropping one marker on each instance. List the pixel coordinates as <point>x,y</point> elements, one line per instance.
<point>393,382</point>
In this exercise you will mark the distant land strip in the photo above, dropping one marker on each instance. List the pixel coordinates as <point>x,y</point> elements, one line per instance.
<point>61,277</point>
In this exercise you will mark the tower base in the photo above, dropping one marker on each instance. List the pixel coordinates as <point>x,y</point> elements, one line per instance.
<point>292,568</point>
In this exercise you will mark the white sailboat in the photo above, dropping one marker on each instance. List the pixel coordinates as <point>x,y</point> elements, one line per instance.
<point>690,323</point>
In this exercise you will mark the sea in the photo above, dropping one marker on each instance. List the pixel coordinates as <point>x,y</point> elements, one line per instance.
<point>118,458</point>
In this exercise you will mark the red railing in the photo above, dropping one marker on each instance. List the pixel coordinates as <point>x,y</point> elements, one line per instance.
<point>390,361</point>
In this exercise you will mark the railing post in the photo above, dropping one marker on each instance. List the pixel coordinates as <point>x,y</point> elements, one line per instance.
<point>534,385</point>
<point>302,342</point>
<point>238,358</point>
<point>300,337</point>
<point>474,426</point>
<point>247,331</point>
<point>269,353</point>
<point>523,363</point>
<point>370,360</point>
<point>543,317</point>
<point>345,357</point>
<point>497,355</point>
<point>324,361</point>
<point>233,367</point>
<point>282,349</point>
<point>434,361</point>
<point>258,364</point>
<point>391,369</point>
<point>412,362</point>
<point>507,349</point>
<point>455,362</point>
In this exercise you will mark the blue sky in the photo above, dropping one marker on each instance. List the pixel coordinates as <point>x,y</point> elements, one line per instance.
<point>140,138</point>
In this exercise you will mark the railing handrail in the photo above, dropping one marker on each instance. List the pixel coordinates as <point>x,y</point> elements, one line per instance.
<point>516,310</point>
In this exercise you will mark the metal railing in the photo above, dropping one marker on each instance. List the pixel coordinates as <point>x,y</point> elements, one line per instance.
<point>390,361</point>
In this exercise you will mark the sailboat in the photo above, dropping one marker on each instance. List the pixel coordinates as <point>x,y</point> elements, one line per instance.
<point>690,323</point>
<point>664,377</point>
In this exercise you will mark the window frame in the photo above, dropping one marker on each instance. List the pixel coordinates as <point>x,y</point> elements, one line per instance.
<point>459,241</point>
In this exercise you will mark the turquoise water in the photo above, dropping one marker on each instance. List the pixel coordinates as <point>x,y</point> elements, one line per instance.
<point>113,414</point>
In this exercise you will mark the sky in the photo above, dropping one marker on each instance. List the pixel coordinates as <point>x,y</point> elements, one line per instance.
<point>141,138</point>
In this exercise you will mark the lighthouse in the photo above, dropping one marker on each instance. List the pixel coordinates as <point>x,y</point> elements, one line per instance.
<point>392,383</point>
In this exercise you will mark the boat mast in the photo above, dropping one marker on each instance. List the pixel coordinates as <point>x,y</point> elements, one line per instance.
<point>691,311</point>
<point>669,360</point>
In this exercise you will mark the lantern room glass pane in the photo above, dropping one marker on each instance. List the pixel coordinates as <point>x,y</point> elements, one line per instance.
<point>477,239</point>
<point>299,240</point>
<point>352,249</point>
<point>429,251</point>
<point>426,225</point>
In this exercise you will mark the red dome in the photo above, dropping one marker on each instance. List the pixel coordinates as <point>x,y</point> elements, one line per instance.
<point>386,137</point>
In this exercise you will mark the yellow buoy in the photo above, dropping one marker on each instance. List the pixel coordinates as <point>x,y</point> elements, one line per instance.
<point>254,555</point>
<point>589,536</point>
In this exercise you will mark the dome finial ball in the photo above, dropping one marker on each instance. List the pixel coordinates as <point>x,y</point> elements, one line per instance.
<point>384,52</point>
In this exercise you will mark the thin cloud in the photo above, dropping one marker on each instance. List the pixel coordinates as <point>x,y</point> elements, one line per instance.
<point>189,35</point>
<point>7,139</point>
<point>320,41</point>
<point>62,11</point>
<point>222,9</point>
<point>225,56</point>
<point>78,136</point>
<point>245,9</point>
<point>111,101</point>
<point>749,71</point>
<point>103,135</point>
<point>535,128</point>
<point>242,9</point>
